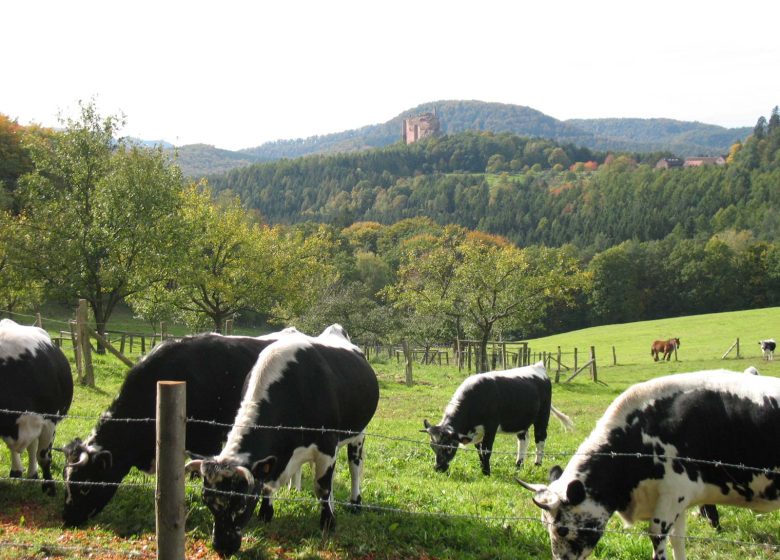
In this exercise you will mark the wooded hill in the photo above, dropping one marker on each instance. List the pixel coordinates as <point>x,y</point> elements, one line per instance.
<point>531,191</point>
<point>635,135</point>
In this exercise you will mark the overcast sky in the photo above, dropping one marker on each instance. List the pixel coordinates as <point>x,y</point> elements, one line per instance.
<point>237,74</point>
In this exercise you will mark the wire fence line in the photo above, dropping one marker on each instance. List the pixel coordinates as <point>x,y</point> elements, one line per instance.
<point>422,443</point>
<point>391,510</point>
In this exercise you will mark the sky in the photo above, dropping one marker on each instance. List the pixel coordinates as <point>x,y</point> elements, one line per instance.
<point>237,74</point>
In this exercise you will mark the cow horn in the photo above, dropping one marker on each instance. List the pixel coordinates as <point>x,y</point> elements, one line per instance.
<point>194,465</point>
<point>531,487</point>
<point>247,474</point>
<point>83,460</point>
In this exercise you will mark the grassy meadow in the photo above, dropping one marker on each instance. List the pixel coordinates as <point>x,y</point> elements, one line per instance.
<point>412,511</point>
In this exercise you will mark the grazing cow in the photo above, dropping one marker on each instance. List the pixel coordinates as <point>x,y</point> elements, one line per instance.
<point>509,401</point>
<point>324,385</point>
<point>35,381</point>
<point>768,348</point>
<point>665,348</point>
<point>661,447</point>
<point>214,368</point>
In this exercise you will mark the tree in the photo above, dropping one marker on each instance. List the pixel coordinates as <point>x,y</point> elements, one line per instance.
<point>424,292</point>
<point>17,290</point>
<point>485,282</point>
<point>99,216</point>
<point>615,296</point>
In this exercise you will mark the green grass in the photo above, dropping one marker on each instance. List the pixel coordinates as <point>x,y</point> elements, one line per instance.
<point>421,513</point>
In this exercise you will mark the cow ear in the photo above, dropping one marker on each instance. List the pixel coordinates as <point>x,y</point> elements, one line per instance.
<point>262,468</point>
<point>464,439</point>
<point>427,426</point>
<point>555,473</point>
<point>575,492</point>
<point>104,459</point>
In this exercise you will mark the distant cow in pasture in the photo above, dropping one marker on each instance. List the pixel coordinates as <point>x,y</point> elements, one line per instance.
<point>213,366</point>
<point>665,348</point>
<point>664,446</point>
<point>36,389</point>
<point>768,348</point>
<point>323,385</point>
<point>509,401</point>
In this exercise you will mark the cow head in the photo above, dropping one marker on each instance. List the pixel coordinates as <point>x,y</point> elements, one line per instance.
<point>444,442</point>
<point>230,491</point>
<point>91,480</point>
<point>574,521</point>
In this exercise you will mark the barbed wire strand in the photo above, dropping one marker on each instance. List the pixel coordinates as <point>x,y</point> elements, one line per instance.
<point>314,502</point>
<point>351,433</point>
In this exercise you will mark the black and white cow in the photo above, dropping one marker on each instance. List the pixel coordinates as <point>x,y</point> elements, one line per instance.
<point>768,348</point>
<point>509,401</point>
<point>320,383</point>
<point>661,447</point>
<point>35,379</point>
<point>213,366</point>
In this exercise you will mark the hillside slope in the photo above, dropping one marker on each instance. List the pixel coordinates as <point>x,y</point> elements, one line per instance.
<point>634,135</point>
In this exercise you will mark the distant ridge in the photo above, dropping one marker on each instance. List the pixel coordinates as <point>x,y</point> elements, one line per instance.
<point>681,138</point>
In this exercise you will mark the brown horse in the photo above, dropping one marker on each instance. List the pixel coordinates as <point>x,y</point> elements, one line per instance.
<point>665,347</point>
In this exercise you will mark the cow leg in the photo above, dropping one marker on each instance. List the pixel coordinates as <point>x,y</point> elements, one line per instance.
<point>677,536</point>
<point>16,464</point>
<point>44,456</point>
<point>295,480</point>
<point>485,449</point>
<point>710,513</point>
<point>522,448</point>
<point>669,517</point>
<point>266,512</point>
<point>355,458</point>
<point>323,488</point>
<point>32,456</point>
<point>539,452</point>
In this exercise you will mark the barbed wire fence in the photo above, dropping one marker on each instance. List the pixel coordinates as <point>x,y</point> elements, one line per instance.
<point>57,548</point>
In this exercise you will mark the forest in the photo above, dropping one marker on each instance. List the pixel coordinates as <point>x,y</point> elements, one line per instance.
<point>472,234</point>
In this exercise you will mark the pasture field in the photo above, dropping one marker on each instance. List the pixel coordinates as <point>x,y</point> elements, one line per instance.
<point>412,511</point>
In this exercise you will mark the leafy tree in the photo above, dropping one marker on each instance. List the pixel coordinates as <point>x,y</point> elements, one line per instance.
<point>14,159</point>
<point>231,265</point>
<point>99,217</point>
<point>615,296</point>
<point>17,290</point>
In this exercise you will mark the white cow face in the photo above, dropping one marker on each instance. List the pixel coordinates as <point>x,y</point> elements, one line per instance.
<point>574,522</point>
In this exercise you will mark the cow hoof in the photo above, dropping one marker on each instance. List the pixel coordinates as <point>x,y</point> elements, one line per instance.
<point>538,463</point>
<point>518,464</point>
<point>266,512</point>
<point>16,474</point>
<point>486,472</point>
<point>354,505</point>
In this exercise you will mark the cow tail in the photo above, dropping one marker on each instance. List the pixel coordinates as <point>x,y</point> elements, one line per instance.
<point>568,425</point>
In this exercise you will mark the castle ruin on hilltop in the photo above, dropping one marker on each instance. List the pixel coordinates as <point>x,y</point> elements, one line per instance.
<point>419,127</point>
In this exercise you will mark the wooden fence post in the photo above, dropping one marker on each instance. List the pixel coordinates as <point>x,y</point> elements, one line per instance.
<point>593,373</point>
<point>74,340</point>
<point>228,327</point>
<point>575,358</point>
<point>408,360</point>
<point>169,497</point>
<point>86,349</point>
<point>614,356</point>
<point>675,352</point>
<point>38,321</point>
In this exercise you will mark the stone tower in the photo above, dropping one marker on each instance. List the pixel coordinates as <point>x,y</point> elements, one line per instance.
<point>420,126</point>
